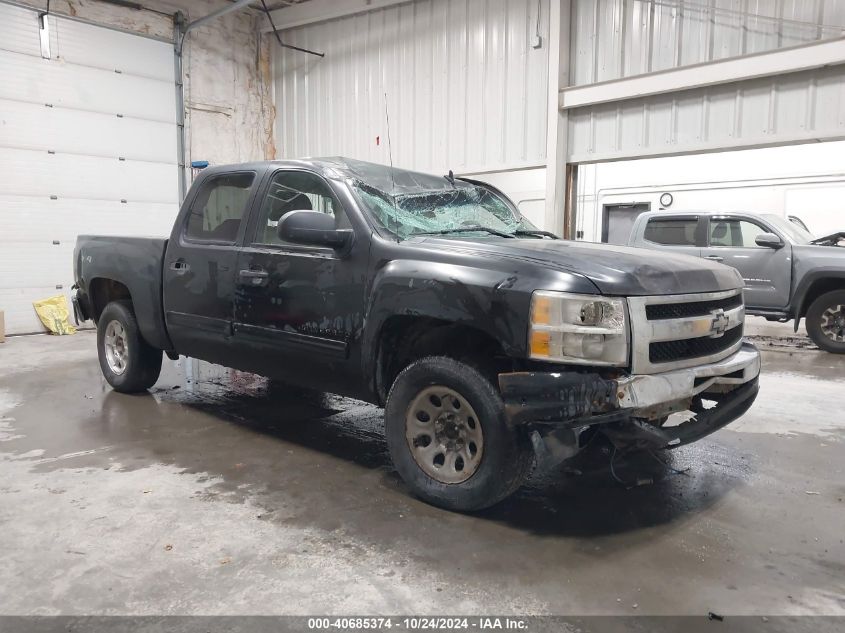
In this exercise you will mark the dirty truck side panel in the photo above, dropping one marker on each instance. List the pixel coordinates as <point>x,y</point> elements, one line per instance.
<point>415,280</point>
<point>299,309</point>
<point>198,290</point>
<point>200,270</point>
<point>302,321</point>
<point>134,262</point>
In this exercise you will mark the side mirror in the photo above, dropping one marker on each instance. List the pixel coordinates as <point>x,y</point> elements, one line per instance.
<point>312,228</point>
<point>768,240</point>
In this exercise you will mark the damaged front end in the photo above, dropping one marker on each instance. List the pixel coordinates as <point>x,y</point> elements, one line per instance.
<point>632,410</point>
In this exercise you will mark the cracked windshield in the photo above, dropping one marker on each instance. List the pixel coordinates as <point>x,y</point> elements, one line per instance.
<point>461,210</point>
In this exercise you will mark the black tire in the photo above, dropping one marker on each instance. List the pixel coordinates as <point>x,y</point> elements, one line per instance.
<point>143,362</point>
<point>507,454</point>
<point>814,318</point>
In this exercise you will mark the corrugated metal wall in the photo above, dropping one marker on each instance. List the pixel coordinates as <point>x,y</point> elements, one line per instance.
<point>804,106</point>
<point>621,38</point>
<point>465,88</point>
<point>614,39</point>
<point>87,145</point>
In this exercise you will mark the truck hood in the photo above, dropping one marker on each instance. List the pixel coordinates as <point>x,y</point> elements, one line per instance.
<point>614,270</point>
<point>820,255</point>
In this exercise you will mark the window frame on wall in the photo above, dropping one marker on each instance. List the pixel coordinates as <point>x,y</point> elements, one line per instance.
<point>208,183</point>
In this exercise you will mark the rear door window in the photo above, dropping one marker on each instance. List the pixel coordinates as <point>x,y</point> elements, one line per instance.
<point>671,231</point>
<point>217,211</point>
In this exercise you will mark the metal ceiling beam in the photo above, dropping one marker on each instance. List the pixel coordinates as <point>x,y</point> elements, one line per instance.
<point>321,10</point>
<point>723,71</point>
<point>235,6</point>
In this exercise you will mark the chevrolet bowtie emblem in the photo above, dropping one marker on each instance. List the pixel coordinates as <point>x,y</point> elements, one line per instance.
<point>720,323</point>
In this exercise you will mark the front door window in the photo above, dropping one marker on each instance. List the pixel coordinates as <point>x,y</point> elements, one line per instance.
<point>295,191</point>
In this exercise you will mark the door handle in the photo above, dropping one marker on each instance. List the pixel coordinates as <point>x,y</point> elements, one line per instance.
<point>715,258</point>
<point>180,266</point>
<point>255,277</point>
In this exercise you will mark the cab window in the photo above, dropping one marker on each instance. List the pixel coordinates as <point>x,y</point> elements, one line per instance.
<point>217,211</point>
<point>671,231</point>
<point>295,191</point>
<point>734,233</point>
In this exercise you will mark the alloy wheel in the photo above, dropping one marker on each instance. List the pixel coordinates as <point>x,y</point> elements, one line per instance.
<point>116,347</point>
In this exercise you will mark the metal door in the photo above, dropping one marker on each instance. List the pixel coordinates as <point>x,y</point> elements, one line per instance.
<point>199,266</point>
<point>767,272</point>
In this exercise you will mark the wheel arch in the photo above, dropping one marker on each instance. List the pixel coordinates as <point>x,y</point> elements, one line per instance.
<point>403,339</point>
<point>102,291</point>
<point>814,286</point>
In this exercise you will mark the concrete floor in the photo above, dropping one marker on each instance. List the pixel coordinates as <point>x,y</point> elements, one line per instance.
<point>215,494</point>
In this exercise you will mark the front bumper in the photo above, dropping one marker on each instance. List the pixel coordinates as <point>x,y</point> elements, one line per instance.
<point>632,406</point>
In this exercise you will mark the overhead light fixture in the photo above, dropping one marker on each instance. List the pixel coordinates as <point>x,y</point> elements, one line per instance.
<point>44,34</point>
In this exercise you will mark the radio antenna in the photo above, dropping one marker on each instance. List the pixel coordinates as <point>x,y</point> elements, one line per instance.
<point>390,157</point>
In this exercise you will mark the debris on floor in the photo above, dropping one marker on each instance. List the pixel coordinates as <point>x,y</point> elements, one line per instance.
<point>54,314</point>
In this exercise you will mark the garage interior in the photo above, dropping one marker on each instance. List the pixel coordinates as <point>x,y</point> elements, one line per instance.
<point>220,493</point>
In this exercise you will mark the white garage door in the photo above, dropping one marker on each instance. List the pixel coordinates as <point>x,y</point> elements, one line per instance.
<point>87,145</point>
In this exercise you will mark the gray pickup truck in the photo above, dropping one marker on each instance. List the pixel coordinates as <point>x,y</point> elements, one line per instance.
<point>788,273</point>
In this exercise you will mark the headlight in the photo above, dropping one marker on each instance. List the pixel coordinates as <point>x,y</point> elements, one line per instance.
<point>582,329</point>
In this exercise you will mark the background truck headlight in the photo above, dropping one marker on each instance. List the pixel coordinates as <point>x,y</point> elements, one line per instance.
<point>582,329</point>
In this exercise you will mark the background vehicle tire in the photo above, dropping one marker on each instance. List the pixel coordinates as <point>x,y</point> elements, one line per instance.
<point>128,362</point>
<point>470,459</point>
<point>826,322</point>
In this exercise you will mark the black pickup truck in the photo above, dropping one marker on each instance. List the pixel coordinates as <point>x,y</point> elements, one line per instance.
<point>491,344</point>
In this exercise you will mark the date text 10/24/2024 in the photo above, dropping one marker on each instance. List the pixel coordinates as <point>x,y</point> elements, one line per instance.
<point>418,623</point>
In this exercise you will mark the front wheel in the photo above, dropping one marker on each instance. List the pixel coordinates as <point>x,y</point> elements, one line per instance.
<point>826,322</point>
<point>128,362</point>
<point>448,438</point>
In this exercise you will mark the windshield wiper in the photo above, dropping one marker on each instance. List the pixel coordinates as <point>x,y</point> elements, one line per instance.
<point>464,229</point>
<point>536,232</point>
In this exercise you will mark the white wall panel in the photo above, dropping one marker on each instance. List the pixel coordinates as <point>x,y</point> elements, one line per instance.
<point>87,145</point>
<point>34,220</point>
<point>85,88</point>
<point>806,180</point>
<point>63,130</point>
<point>19,30</point>
<point>791,108</point>
<point>28,264</point>
<point>622,38</point>
<point>465,88</point>
<point>107,49</point>
<point>36,173</point>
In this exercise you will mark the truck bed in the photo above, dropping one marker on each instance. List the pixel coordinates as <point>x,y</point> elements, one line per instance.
<point>135,262</point>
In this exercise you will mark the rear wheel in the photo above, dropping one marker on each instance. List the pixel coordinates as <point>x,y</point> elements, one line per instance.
<point>128,362</point>
<point>826,322</point>
<point>448,438</point>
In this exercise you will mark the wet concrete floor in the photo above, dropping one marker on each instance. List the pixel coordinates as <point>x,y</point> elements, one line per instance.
<point>218,493</point>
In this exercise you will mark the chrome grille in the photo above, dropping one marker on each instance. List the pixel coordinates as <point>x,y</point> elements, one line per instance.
<point>696,308</point>
<point>677,331</point>
<point>668,351</point>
